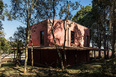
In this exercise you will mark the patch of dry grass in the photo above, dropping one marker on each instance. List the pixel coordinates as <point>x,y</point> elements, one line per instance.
<point>83,70</point>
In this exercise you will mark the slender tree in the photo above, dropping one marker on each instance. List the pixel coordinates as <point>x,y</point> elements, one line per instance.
<point>98,19</point>
<point>57,49</point>
<point>29,12</point>
<point>64,12</point>
<point>113,25</point>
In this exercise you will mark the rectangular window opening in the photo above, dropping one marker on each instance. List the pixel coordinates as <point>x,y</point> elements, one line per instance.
<point>41,37</point>
<point>72,36</point>
<point>87,41</point>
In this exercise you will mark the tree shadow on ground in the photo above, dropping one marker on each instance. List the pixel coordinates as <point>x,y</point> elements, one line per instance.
<point>49,72</point>
<point>94,74</point>
<point>85,70</point>
<point>8,65</point>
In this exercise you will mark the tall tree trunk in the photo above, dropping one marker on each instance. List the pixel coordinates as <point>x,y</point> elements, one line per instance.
<point>99,45</point>
<point>14,56</point>
<point>113,24</point>
<point>26,57</point>
<point>105,38</point>
<point>107,47</point>
<point>29,12</point>
<point>65,62</point>
<point>57,49</point>
<point>64,25</point>
<point>0,53</point>
<point>0,59</point>
<point>99,37</point>
<point>27,39</point>
<point>18,62</point>
<point>32,61</point>
<point>32,6</point>
<point>113,40</point>
<point>94,55</point>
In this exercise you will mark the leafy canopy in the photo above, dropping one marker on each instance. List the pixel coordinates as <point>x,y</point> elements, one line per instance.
<point>83,16</point>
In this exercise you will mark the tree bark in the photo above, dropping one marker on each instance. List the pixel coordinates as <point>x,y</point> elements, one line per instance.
<point>113,24</point>
<point>14,55</point>
<point>32,61</point>
<point>59,54</point>
<point>27,40</point>
<point>29,12</point>
<point>26,58</point>
<point>99,37</point>
<point>65,20</point>
<point>65,62</point>
<point>0,59</point>
<point>107,48</point>
<point>94,55</point>
<point>32,6</point>
<point>113,40</point>
<point>100,45</point>
<point>18,62</point>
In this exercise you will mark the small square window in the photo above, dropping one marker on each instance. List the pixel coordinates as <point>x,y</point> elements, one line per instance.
<point>72,36</point>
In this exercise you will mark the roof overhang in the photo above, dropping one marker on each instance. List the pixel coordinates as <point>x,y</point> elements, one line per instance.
<point>67,48</point>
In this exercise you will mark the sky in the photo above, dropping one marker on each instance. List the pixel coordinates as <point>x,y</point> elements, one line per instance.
<point>11,26</point>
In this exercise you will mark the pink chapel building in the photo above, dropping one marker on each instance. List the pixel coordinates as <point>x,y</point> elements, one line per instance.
<point>77,42</point>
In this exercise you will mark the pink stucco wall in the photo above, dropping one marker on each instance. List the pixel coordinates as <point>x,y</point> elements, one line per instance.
<point>80,31</point>
<point>35,33</point>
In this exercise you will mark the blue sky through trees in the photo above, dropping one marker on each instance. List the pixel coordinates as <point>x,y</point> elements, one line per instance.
<point>11,26</point>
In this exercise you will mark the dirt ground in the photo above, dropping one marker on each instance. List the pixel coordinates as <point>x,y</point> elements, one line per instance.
<point>91,69</point>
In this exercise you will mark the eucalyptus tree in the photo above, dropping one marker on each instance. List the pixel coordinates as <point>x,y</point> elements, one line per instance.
<point>107,18</point>
<point>64,14</point>
<point>33,11</point>
<point>113,25</point>
<point>98,19</point>
<point>1,11</point>
<point>29,12</point>
<point>84,14</point>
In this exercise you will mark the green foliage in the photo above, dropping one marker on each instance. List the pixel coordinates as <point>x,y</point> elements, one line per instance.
<point>7,14</point>
<point>18,41</point>
<point>37,10</point>
<point>84,16</point>
<point>97,19</point>
<point>3,12</point>
<point>67,10</point>
<point>1,6</point>
<point>4,45</point>
<point>18,38</point>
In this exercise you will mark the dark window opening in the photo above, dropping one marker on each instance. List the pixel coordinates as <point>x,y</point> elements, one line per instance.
<point>72,36</point>
<point>87,41</point>
<point>42,37</point>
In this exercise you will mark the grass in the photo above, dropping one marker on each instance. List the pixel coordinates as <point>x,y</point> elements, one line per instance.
<point>91,69</point>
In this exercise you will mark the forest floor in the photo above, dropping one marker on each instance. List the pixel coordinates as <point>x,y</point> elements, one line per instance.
<point>91,69</point>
